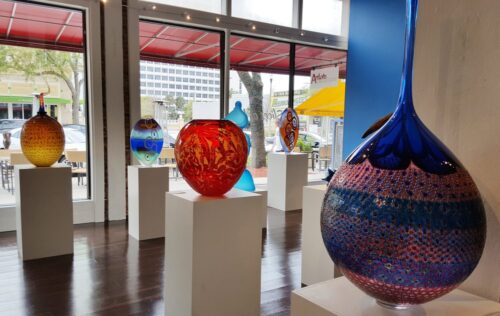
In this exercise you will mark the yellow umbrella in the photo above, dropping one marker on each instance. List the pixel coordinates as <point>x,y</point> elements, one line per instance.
<point>326,102</point>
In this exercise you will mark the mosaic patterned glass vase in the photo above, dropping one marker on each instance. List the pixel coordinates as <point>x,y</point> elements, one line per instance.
<point>42,138</point>
<point>146,141</point>
<point>211,155</point>
<point>402,218</point>
<point>289,129</point>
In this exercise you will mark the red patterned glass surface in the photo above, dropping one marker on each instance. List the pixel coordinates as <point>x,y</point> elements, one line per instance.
<point>211,155</point>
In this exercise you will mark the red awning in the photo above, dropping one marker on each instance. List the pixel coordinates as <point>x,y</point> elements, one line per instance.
<point>176,44</point>
<point>44,26</point>
<point>40,26</point>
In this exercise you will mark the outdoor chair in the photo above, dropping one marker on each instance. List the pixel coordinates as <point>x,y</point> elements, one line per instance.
<point>78,160</point>
<point>325,155</point>
<point>167,155</point>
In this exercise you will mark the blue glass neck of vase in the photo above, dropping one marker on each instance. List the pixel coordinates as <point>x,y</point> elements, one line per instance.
<point>405,104</point>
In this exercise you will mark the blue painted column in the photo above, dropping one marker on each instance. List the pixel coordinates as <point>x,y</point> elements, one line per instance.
<point>374,64</point>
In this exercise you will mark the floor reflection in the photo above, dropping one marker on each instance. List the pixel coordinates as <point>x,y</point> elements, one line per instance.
<point>112,274</point>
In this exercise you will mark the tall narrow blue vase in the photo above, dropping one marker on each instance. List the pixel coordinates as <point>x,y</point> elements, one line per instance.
<point>402,218</point>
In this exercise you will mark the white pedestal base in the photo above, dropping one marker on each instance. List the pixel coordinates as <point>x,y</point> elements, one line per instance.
<point>212,252</point>
<point>44,211</point>
<point>316,263</point>
<point>340,297</point>
<point>264,207</point>
<point>287,176</point>
<point>146,201</point>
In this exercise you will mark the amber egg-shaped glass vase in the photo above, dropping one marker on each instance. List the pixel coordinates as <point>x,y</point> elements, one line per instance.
<point>42,139</point>
<point>211,155</point>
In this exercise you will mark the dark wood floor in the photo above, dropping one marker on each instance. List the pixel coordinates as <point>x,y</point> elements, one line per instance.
<point>111,274</point>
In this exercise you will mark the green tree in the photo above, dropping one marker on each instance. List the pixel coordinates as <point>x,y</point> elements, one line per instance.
<point>188,111</point>
<point>169,100</point>
<point>253,84</point>
<point>45,63</point>
<point>180,102</point>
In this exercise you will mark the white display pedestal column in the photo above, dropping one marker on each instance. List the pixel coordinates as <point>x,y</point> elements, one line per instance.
<point>264,207</point>
<point>146,201</point>
<point>340,297</point>
<point>44,211</point>
<point>316,263</point>
<point>287,175</point>
<point>212,254</point>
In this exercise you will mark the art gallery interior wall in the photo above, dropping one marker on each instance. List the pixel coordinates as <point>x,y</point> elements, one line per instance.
<point>456,92</point>
<point>374,63</point>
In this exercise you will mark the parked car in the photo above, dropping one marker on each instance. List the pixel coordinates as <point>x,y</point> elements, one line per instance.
<point>7,125</point>
<point>78,127</point>
<point>73,139</point>
<point>313,139</point>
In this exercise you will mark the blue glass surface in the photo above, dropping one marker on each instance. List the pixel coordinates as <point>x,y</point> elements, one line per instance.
<point>404,138</point>
<point>238,116</point>
<point>146,141</point>
<point>245,182</point>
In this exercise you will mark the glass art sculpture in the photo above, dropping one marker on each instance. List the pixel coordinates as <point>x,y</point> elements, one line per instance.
<point>240,118</point>
<point>289,129</point>
<point>146,140</point>
<point>402,218</point>
<point>42,137</point>
<point>211,155</point>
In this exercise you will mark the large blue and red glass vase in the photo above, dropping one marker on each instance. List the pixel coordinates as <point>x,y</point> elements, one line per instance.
<point>402,217</point>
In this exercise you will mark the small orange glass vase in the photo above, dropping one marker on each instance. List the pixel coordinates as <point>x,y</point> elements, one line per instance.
<point>211,155</point>
<point>42,138</point>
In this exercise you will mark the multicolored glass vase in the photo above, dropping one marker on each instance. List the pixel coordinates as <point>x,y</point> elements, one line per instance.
<point>289,129</point>
<point>146,140</point>
<point>402,218</point>
<point>211,155</point>
<point>42,137</point>
<point>240,118</point>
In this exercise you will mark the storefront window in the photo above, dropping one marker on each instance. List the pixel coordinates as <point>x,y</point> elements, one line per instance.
<point>192,54</point>
<point>259,79</point>
<point>43,50</point>
<point>4,111</point>
<point>319,101</point>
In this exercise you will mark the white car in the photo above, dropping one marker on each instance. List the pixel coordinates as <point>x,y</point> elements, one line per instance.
<point>74,139</point>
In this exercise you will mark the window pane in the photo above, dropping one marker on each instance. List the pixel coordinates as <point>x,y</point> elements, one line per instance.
<point>278,12</point>
<point>321,124</point>
<point>43,39</point>
<point>259,79</point>
<point>323,16</point>
<point>213,6</point>
<point>189,53</point>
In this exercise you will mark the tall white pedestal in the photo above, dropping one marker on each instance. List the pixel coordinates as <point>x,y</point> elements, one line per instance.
<point>339,297</point>
<point>264,207</point>
<point>44,211</point>
<point>287,175</point>
<point>146,201</point>
<point>212,252</point>
<point>316,263</point>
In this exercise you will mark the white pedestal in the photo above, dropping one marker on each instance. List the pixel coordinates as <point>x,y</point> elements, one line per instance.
<point>340,297</point>
<point>146,201</point>
<point>316,263</point>
<point>44,211</point>
<point>212,254</point>
<point>287,176</point>
<point>264,207</point>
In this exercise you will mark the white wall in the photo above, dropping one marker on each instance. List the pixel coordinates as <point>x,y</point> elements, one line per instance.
<point>457,94</point>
